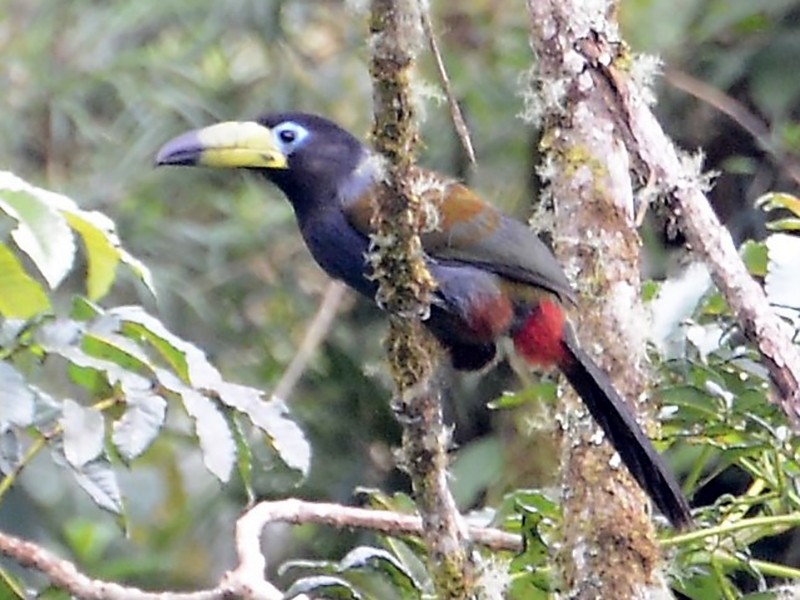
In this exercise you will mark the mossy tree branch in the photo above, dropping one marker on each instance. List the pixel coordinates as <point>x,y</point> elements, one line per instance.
<point>609,548</point>
<point>405,289</point>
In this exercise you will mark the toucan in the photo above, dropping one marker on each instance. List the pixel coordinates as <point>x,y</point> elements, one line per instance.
<point>494,276</point>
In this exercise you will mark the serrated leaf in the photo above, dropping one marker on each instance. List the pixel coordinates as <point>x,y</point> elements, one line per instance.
<point>10,451</point>
<point>413,563</point>
<point>172,348</point>
<point>103,248</point>
<point>754,255</point>
<point>384,562</point>
<point>84,430</point>
<point>99,481</point>
<point>94,374</point>
<point>142,420</point>
<point>59,334</point>
<point>775,200</point>
<point>102,255</point>
<point>84,310</point>
<point>139,269</point>
<point>244,460</point>
<point>325,586</point>
<point>21,296</point>
<point>118,349</point>
<point>16,398</point>
<point>42,233</point>
<point>211,427</point>
<point>285,436</point>
<point>782,283</point>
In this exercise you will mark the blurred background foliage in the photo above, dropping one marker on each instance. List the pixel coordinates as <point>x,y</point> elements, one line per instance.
<point>92,89</point>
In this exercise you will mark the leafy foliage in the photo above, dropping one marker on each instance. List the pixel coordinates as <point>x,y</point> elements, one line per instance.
<point>93,89</point>
<point>128,367</point>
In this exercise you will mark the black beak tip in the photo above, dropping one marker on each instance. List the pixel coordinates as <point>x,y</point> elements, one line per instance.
<point>184,150</point>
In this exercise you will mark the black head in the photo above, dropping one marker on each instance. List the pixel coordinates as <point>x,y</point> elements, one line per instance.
<point>320,154</point>
<point>309,157</point>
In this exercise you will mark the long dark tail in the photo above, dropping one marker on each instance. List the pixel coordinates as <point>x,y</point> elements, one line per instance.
<point>619,423</point>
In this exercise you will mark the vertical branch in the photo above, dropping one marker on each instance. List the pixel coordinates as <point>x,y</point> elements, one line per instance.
<point>405,289</point>
<point>609,548</point>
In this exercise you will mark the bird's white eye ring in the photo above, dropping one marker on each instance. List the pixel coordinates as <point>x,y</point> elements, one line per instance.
<point>290,136</point>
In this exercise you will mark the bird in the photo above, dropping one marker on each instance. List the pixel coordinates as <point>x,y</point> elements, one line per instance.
<point>494,277</point>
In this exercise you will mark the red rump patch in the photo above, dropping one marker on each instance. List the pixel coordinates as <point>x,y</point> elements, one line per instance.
<point>540,341</point>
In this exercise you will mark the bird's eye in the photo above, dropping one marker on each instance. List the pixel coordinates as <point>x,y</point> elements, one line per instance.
<point>290,136</point>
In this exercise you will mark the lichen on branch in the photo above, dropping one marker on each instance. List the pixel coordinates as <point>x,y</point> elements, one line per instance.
<point>405,289</point>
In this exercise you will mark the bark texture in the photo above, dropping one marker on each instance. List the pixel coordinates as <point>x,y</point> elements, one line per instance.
<point>609,550</point>
<point>405,288</point>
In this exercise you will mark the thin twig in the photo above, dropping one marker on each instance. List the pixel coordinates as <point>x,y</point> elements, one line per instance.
<point>455,109</point>
<point>739,113</point>
<point>314,335</point>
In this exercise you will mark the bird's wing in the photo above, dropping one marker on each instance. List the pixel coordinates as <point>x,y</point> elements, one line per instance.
<point>468,230</point>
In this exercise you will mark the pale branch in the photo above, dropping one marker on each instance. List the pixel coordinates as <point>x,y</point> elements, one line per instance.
<point>65,575</point>
<point>247,580</point>
<point>656,160</point>
<point>299,512</point>
<point>405,288</point>
<point>739,114</point>
<point>314,335</point>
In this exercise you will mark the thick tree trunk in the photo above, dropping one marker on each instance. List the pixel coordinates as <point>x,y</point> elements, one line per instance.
<point>609,547</point>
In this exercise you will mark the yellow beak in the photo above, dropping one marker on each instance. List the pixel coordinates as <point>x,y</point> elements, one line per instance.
<point>226,145</point>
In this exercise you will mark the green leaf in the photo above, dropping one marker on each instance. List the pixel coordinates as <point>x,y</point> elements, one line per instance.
<point>99,481</point>
<point>544,391</point>
<point>88,539</point>
<point>118,349</point>
<point>95,374</point>
<point>376,558</point>
<point>21,296</point>
<point>213,433</point>
<point>244,462</point>
<point>144,415</point>
<point>324,586</point>
<point>779,200</point>
<point>754,255</point>
<point>787,224</point>
<point>11,586</point>
<point>478,465</point>
<point>285,436</point>
<point>84,310</point>
<point>413,563</point>
<point>16,398</point>
<point>84,431</point>
<point>172,348</point>
<point>10,451</point>
<point>102,254</point>
<point>42,233</point>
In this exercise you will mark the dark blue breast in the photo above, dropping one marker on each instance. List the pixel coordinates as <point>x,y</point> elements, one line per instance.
<point>338,248</point>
